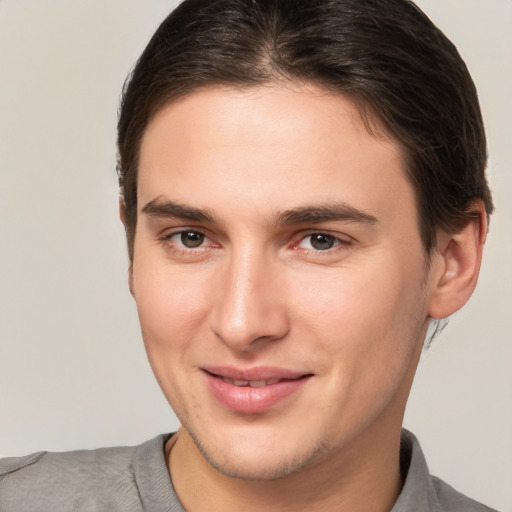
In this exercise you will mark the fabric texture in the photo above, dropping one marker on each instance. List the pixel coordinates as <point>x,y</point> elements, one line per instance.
<point>135,479</point>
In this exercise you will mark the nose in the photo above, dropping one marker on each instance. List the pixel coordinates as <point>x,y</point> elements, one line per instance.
<point>250,305</point>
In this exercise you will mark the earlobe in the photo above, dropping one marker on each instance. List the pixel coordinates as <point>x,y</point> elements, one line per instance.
<point>456,264</point>
<point>130,279</point>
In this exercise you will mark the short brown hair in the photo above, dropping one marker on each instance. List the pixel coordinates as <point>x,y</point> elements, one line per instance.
<point>385,54</point>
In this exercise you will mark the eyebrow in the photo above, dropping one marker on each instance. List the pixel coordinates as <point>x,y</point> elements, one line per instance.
<point>324,213</point>
<point>159,207</point>
<point>315,214</point>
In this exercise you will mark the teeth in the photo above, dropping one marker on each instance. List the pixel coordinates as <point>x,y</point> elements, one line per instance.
<point>250,383</point>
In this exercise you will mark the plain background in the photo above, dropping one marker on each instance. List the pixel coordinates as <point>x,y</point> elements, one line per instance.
<point>73,372</point>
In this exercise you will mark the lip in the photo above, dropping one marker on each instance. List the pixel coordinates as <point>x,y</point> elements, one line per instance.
<point>281,384</point>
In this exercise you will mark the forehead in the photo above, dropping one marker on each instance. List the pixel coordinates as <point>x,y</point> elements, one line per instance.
<point>271,146</point>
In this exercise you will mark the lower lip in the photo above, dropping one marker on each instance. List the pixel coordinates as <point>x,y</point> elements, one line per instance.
<point>248,400</point>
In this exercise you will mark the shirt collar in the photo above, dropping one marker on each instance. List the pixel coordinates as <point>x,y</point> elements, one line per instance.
<point>158,495</point>
<point>418,493</point>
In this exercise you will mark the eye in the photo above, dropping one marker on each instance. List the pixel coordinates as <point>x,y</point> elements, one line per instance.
<point>319,242</point>
<point>188,238</point>
<point>191,239</point>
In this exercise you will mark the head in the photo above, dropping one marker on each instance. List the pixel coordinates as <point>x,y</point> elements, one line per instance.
<point>401,71</point>
<point>304,189</point>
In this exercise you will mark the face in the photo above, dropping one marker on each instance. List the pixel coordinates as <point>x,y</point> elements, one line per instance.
<point>279,275</point>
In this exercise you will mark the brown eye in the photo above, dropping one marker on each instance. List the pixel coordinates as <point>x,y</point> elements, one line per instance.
<point>191,239</point>
<point>321,241</point>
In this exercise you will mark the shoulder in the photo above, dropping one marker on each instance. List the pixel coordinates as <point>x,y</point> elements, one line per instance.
<point>453,501</point>
<point>423,492</point>
<point>69,481</point>
<point>12,464</point>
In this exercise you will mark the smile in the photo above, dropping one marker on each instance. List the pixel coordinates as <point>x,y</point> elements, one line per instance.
<point>250,383</point>
<point>255,391</point>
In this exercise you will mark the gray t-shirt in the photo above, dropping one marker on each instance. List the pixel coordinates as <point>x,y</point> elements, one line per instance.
<point>135,479</point>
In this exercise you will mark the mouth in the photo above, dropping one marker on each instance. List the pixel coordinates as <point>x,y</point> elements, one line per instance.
<point>253,391</point>
<point>250,383</point>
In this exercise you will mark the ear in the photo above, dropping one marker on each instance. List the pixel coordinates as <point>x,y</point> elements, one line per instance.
<point>122,210</point>
<point>456,264</point>
<point>122,217</point>
<point>130,279</point>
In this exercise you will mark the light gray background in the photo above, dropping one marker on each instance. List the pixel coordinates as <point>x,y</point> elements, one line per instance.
<point>73,372</point>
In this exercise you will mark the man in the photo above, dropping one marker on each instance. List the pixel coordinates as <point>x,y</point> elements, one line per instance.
<point>303,192</point>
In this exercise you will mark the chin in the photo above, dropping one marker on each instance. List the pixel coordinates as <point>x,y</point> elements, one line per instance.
<point>258,461</point>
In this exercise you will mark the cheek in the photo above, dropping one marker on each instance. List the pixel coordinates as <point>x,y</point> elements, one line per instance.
<point>369,329</point>
<point>365,312</point>
<point>171,312</point>
<point>171,307</point>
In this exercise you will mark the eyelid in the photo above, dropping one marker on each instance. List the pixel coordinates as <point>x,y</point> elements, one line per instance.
<point>178,231</point>
<point>308,239</point>
<point>167,236</point>
<point>339,237</point>
<point>341,240</point>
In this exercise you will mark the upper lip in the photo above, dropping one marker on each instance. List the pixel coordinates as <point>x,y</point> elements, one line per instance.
<point>257,373</point>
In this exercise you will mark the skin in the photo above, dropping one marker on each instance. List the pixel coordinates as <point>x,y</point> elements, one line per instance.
<point>260,290</point>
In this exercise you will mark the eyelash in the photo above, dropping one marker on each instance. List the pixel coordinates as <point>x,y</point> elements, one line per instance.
<point>339,243</point>
<point>166,239</point>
